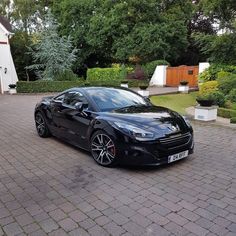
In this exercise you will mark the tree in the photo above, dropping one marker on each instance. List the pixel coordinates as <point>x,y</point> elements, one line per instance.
<point>223,11</point>
<point>105,31</point>
<point>220,48</point>
<point>26,17</point>
<point>52,54</point>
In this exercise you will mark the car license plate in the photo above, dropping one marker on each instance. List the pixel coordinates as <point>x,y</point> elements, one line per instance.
<point>177,156</point>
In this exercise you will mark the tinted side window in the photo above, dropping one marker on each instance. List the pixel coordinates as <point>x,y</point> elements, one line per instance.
<point>59,98</point>
<point>71,98</point>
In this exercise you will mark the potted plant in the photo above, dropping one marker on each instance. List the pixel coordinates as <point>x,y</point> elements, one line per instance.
<point>124,83</point>
<point>205,110</point>
<point>183,86</point>
<point>205,100</point>
<point>12,88</point>
<point>143,89</point>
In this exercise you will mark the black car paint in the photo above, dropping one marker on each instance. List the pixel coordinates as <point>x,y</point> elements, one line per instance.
<point>77,128</point>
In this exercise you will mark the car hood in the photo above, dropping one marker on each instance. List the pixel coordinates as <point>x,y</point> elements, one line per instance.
<point>159,120</point>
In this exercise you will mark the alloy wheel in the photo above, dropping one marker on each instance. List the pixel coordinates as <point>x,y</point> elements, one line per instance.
<point>103,149</point>
<point>40,124</point>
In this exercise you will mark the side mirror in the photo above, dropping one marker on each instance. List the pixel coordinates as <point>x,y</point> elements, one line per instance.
<point>79,106</point>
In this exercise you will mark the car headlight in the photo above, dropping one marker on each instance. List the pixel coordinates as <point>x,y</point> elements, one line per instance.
<point>133,131</point>
<point>187,121</point>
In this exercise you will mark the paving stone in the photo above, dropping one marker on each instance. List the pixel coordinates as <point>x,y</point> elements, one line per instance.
<point>77,216</point>
<point>87,223</point>
<point>97,231</point>
<point>155,230</point>
<point>94,214</point>
<point>113,229</point>
<point>12,229</point>
<point>24,219</point>
<point>58,232</point>
<point>141,220</point>
<point>205,223</point>
<point>232,227</point>
<point>119,219</point>
<point>134,229</point>
<point>68,224</point>
<point>31,228</point>
<point>4,212</point>
<point>48,225</point>
<point>196,229</point>
<point>158,219</point>
<point>78,231</point>
<point>177,219</point>
<point>57,214</point>
<point>126,211</point>
<point>176,229</point>
<point>38,233</point>
<point>218,230</point>
<point>188,215</point>
<point>102,220</point>
<point>206,214</point>
<point>6,220</point>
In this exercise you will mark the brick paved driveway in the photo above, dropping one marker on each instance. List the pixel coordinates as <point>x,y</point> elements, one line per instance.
<point>49,187</point>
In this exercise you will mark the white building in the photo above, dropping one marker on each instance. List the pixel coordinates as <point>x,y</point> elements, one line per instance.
<point>7,68</point>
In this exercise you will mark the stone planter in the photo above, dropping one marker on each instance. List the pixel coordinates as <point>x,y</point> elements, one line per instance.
<point>12,90</point>
<point>205,113</point>
<point>144,93</point>
<point>124,85</point>
<point>183,88</point>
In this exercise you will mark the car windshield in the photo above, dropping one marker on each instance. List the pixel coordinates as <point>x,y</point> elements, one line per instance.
<point>108,99</point>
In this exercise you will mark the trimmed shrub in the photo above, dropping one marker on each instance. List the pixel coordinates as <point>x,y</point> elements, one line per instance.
<point>150,67</point>
<point>66,76</point>
<point>226,113</point>
<point>222,75</point>
<point>232,95</point>
<point>212,72</point>
<point>227,84</point>
<point>107,74</point>
<point>45,86</point>
<point>233,120</point>
<point>208,87</point>
<point>218,98</point>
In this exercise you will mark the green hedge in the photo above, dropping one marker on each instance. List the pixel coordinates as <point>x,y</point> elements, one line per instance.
<point>107,74</point>
<point>227,84</point>
<point>226,113</point>
<point>58,86</point>
<point>233,120</point>
<point>46,86</point>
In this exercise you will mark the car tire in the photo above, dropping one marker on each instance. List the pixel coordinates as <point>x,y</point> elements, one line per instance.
<point>103,149</point>
<point>41,125</point>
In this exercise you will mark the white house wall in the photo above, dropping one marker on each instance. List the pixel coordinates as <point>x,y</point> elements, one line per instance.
<point>7,71</point>
<point>3,37</point>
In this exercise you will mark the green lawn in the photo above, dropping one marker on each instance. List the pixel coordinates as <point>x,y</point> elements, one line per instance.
<point>176,102</point>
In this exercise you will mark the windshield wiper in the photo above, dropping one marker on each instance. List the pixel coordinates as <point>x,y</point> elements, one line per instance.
<point>132,106</point>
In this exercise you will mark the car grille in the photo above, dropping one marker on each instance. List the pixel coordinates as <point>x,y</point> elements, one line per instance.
<point>175,141</point>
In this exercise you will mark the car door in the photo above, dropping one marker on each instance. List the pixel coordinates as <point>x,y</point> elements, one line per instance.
<point>74,124</point>
<point>56,114</point>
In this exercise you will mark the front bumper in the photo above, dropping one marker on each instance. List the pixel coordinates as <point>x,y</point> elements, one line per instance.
<point>155,152</point>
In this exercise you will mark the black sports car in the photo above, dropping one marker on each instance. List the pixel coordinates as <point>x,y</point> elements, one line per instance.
<point>115,125</point>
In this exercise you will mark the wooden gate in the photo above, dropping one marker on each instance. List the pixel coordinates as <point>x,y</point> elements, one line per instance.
<point>176,74</point>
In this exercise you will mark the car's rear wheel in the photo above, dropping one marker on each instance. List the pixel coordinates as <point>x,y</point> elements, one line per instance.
<point>103,149</point>
<point>41,125</point>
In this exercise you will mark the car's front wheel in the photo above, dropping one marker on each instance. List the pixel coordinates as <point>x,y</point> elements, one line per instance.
<point>41,125</point>
<point>103,149</point>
